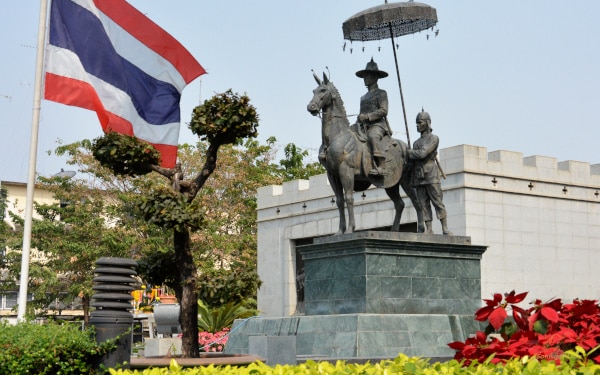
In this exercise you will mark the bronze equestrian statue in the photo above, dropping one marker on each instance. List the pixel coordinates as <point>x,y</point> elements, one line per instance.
<point>345,155</point>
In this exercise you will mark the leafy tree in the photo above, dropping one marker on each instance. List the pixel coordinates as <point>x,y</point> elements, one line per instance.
<point>226,245</point>
<point>293,166</point>
<point>93,217</point>
<point>221,228</point>
<point>5,229</point>
<point>225,119</point>
<point>68,238</point>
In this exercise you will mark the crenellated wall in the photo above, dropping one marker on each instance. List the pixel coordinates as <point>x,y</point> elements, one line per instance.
<point>540,219</point>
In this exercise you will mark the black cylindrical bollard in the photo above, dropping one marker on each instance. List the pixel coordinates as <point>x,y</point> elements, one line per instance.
<point>112,297</point>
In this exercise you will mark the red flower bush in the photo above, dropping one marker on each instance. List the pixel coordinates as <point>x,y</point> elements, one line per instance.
<point>213,342</point>
<point>545,330</point>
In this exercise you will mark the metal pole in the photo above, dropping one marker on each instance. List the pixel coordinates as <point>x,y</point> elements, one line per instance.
<point>400,85</point>
<point>33,143</point>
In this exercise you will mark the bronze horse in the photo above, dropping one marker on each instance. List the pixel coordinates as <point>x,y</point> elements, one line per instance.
<point>346,157</point>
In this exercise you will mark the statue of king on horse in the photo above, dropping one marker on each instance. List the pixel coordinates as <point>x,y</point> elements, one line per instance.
<point>364,154</point>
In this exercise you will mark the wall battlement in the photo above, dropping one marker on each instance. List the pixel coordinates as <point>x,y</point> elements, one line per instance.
<point>474,159</point>
<point>542,175</point>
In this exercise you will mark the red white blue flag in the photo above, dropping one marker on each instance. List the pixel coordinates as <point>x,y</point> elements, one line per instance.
<point>106,56</point>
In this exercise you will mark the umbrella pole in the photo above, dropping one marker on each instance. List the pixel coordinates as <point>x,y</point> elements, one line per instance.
<point>400,86</point>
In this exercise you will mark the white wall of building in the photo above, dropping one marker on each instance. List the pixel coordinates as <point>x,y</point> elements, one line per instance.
<point>540,219</point>
<point>17,197</point>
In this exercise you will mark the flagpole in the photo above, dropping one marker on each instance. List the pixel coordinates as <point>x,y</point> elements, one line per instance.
<point>33,144</point>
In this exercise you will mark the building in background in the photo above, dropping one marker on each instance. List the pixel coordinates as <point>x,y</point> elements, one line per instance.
<point>14,196</point>
<point>540,219</point>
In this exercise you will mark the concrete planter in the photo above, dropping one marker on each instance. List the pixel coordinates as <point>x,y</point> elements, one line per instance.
<point>162,347</point>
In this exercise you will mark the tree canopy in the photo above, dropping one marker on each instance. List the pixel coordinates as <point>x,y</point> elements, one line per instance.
<point>119,208</point>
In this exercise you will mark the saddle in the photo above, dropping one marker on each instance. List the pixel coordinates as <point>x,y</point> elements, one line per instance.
<point>394,159</point>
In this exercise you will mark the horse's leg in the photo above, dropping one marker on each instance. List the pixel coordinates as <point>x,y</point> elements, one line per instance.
<point>336,186</point>
<point>347,184</point>
<point>411,192</point>
<point>394,194</point>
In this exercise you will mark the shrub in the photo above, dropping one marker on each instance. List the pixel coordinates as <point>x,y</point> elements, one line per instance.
<point>126,155</point>
<point>215,319</point>
<point>573,363</point>
<point>546,330</point>
<point>225,118</point>
<point>28,348</point>
<point>213,342</point>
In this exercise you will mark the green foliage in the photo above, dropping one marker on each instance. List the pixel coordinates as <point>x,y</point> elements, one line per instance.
<point>225,118</point>
<point>225,247</point>
<point>3,204</point>
<point>5,230</point>
<point>28,348</point>
<point>572,363</point>
<point>159,267</point>
<point>70,234</point>
<point>218,286</point>
<point>215,319</point>
<point>171,210</point>
<point>125,155</point>
<point>294,167</point>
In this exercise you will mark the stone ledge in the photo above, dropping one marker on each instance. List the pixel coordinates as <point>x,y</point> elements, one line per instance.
<point>206,359</point>
<point>356,336</point>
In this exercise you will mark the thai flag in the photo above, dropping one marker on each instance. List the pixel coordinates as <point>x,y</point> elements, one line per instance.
<point>106,56</point>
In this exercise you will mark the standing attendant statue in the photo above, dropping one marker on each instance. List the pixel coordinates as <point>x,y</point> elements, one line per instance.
<point>373,112</point>
<point>427,173</point>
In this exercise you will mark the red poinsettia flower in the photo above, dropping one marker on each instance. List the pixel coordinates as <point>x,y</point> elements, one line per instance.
<point>497,317</point>
<point>513,298</point>
<point>544,330</point>
<point>490,305</point>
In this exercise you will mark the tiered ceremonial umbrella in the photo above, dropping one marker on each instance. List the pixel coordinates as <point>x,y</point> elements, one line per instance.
<point>390,21</point>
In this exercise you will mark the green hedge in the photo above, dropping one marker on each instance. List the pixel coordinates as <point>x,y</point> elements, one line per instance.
<point>29,348</point>
<point>573,362</point>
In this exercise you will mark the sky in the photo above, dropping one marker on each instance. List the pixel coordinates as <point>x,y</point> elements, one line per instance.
<point>513,75</point>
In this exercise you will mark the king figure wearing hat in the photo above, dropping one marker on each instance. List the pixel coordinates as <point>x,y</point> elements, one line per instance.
<point>373,114</point>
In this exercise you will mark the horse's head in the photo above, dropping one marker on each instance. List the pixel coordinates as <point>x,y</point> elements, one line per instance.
<point>322,96</point>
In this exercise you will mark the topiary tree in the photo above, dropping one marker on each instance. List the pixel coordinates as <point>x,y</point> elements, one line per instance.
<point>224,119</point>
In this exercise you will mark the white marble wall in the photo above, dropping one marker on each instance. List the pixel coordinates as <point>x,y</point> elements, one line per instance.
<point>540,219</point>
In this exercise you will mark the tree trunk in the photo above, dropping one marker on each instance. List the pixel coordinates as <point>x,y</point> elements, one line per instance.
<point>187,294</point>
<point>85,305</point>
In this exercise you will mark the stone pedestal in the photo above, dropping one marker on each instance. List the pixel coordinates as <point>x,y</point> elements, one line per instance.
<point>374,295</point>
<point>274,349</point>
<point>392,273</point>
<point>357,336</point>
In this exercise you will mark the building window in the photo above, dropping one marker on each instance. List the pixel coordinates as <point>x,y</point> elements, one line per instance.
<point>9,300</point>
